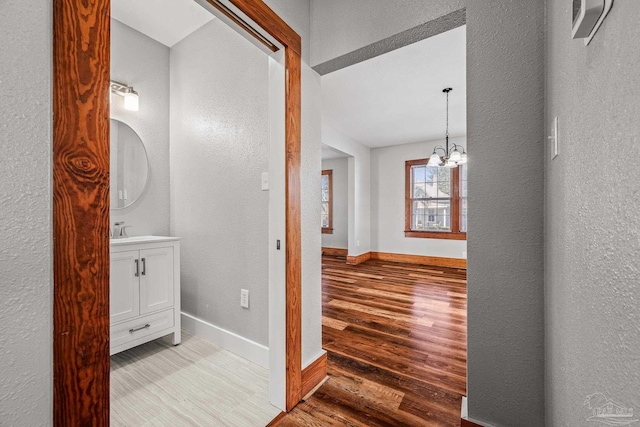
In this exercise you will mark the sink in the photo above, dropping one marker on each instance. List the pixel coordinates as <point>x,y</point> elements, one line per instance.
<point>141,239</point>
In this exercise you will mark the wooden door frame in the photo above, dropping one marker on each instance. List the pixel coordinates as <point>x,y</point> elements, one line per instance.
<point>81,75</point>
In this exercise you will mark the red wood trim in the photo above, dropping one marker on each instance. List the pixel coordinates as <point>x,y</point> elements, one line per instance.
<point>271,22</point>
<point>436,235</point>
<point>334,251</point>
<point>358,259</point>
<point>81,62</point>
<point>313,374</point>
<point>293,230</point>
<point>277,420</point>
<point>467,423</point>
<point>420,259</point>
<point>455,233</point>
<point>329,228</point>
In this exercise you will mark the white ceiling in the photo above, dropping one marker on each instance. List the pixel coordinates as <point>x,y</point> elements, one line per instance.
<point>397,98</point>
<point>166,21</point>
<point>332,153</point>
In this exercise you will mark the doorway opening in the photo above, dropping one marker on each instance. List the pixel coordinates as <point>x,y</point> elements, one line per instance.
<point>394,288</point>
<point>81,204</point>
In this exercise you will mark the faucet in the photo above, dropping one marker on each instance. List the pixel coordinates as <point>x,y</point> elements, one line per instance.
<point>119,231</point>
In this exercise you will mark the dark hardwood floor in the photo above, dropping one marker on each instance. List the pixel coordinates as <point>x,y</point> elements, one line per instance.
<point>395,335</point>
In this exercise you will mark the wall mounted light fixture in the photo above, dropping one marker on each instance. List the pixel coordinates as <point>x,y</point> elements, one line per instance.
<point>131,99</point>
<point>452,154</point>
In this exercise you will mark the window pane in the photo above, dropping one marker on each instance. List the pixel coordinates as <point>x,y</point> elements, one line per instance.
<point>442,216</point>
<point>325,188</point>
<point>325,214</point>
<point>463,181</point>
<point>428,182</point>
<point>419,174</point>
<point>463,198</point>
<point>463,215</point>
<point>431,215</point>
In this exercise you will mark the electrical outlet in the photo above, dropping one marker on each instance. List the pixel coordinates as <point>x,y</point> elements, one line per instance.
<point>358,243</point>
<point>265,181</point>
<point>244,298</point>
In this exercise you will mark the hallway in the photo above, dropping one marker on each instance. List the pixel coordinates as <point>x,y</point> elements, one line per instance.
<point>395,335</point>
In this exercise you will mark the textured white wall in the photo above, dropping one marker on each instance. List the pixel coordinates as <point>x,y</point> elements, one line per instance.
<point>388,203</point>
<point>340,236</point>
<point>592,226</point>
<point>359,188</point>
<point>143,63</point>
<point>505,75</point>
<point>339,27</point>
<point>25,209</point>
<point>219,149</point>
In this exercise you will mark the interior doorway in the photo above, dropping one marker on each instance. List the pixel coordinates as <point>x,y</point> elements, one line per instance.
<point>81,202</point>
<point>394,299</point>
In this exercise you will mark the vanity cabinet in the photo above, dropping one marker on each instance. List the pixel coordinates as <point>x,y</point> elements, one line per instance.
<point>144,290</point>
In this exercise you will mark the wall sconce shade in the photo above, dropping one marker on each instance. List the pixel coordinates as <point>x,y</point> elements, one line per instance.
<point>131,98</point>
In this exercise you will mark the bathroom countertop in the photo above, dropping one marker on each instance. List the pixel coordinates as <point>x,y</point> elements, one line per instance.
<point>142,239</point>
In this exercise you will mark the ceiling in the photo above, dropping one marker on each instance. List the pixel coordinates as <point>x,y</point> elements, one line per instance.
<point>332,153</point>
<point>166,21</point>
<point>397,98</point>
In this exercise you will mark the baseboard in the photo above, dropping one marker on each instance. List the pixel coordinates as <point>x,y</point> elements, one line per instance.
<point>358,259</point>
<point>420,259</point>
<point>464,415</point>
<point>313,374</point>
<point>334,251</point>
<point>243,347</point>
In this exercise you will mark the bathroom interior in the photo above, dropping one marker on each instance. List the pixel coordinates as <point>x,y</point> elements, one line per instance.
<point>191,132</point>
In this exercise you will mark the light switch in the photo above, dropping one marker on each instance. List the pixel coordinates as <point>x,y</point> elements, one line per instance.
<point>265,180</point>
<point>244,298</point>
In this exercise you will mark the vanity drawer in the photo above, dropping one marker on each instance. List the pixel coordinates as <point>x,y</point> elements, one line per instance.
<point>141,327</point>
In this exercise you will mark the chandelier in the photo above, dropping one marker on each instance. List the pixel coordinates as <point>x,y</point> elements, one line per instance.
<point>454,154</point>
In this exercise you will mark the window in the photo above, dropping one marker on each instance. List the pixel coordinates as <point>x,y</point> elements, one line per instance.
<point>327,202</point>
<point>435,201</point>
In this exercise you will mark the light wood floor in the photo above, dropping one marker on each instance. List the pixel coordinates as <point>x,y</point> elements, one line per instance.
<point>193,384</point>
<point>395,335</point>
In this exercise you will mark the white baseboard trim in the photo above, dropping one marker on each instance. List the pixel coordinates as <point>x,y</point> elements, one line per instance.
<point>250,350</point>
<point>464,410</point>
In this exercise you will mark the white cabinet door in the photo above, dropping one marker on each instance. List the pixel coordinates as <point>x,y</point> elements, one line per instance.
<point>124,290</point>
<point>156,279</point>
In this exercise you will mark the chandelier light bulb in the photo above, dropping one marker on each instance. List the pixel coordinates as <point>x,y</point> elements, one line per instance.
<point>463,159</point>
<point>450,164</point>
<point>455,156</point>
<point>434,160</point>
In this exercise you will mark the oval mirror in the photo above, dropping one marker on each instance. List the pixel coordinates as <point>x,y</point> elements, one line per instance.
<point>129,166</point>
